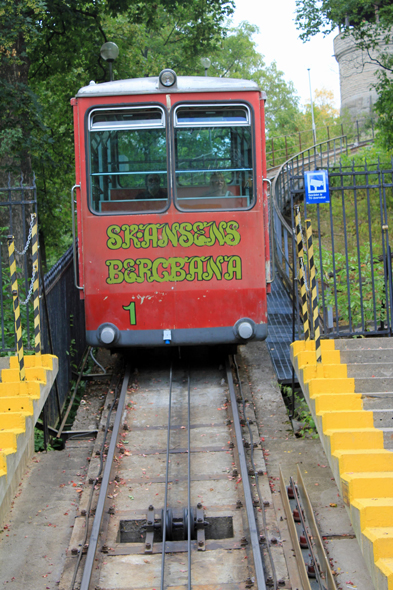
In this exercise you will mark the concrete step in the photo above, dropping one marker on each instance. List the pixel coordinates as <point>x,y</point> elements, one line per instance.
<point>370,370</point>
<point>378,400</point>
<point>383,418</point>
<point>363,343</point>
<point>382,355</point>
<point>387,437</point>
<point>374,384</point>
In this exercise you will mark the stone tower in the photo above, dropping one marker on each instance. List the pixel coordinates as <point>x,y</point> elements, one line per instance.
<point>357,77</point>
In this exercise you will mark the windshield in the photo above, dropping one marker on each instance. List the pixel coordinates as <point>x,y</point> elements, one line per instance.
<point>213,157</point>
<point>128,160</point>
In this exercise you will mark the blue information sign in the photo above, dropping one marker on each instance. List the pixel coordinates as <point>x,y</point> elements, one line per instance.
<point>316,183</point>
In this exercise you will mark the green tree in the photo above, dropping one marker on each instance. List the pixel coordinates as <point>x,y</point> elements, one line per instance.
<point>369,23</point>
<point>238,57</point>
<point>48,50</point>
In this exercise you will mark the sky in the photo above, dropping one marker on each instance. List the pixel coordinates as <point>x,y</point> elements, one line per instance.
<point>279,41</point>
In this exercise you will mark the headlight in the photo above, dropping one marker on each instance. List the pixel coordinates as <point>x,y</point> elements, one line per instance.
<point>167,78</point>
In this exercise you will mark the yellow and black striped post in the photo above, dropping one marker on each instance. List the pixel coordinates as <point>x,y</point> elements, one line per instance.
<point>314,295</point>
<point>36,287</point>
<point>302,276</point>
<point>15,298</point>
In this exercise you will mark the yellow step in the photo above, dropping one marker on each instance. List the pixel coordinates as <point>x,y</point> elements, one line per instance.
<point>340,401</point>
<point>355,461</point>
<point>355,438</point>
<point>8,442</point>
<point>32,374</point>
<point>3,463</point>
<point>345,420</point>
<point>331,386</point>
<point>374,512</point>
<point>304,345</point>
<point>385,577</point>
<point>324,372</point>
<point>18,403</point>
<point>12,421</point>
<point>382,541</point>
<point>33,360</point>
<point>308,357</point>
<point>368,485</point>
<point>30,388</point>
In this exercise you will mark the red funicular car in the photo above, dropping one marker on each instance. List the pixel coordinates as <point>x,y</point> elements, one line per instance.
<point>172,211</point>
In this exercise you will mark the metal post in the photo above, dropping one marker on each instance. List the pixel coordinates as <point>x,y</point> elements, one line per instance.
<point>314,294</point>
<point>314,132</point>
<point>302,273</point>
<point>36,288</point>
<point>16,304</point>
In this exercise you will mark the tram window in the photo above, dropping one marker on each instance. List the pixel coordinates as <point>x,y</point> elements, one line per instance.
<point>213,157</point>
<point>128,160</point>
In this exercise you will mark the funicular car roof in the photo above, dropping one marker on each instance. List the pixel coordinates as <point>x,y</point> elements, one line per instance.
<point>184,84</point>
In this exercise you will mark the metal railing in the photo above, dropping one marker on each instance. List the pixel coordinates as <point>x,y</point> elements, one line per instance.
<point>351,239</point>
<point>62,311</point>
<point>282,147</point>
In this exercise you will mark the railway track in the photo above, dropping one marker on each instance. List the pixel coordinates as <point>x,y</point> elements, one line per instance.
<point>183,436</point>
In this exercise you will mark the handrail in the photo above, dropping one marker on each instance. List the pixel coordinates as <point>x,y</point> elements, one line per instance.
<point>286,163</point>
<point>73,236</point>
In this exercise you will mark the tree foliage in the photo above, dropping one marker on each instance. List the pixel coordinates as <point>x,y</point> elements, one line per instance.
<point>50,49</point>
<point>358,18</point>
<point>369,23</point>
<point>238,57</point>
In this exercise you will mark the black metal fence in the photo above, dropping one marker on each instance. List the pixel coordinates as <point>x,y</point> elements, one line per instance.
<point>282,147</point>
<point>62,311</point>
<point>17,203</point>
<point>351,242</point>
<point>64,325</point>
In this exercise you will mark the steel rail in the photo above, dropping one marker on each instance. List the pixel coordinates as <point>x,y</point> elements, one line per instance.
<point>163,523</point>
<point>87,571</point>
<point>254,536</point>
<point>189,479</point>
<point>261,502</point>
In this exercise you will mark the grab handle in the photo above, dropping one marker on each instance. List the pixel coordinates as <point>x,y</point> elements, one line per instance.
<point>73,236</point>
